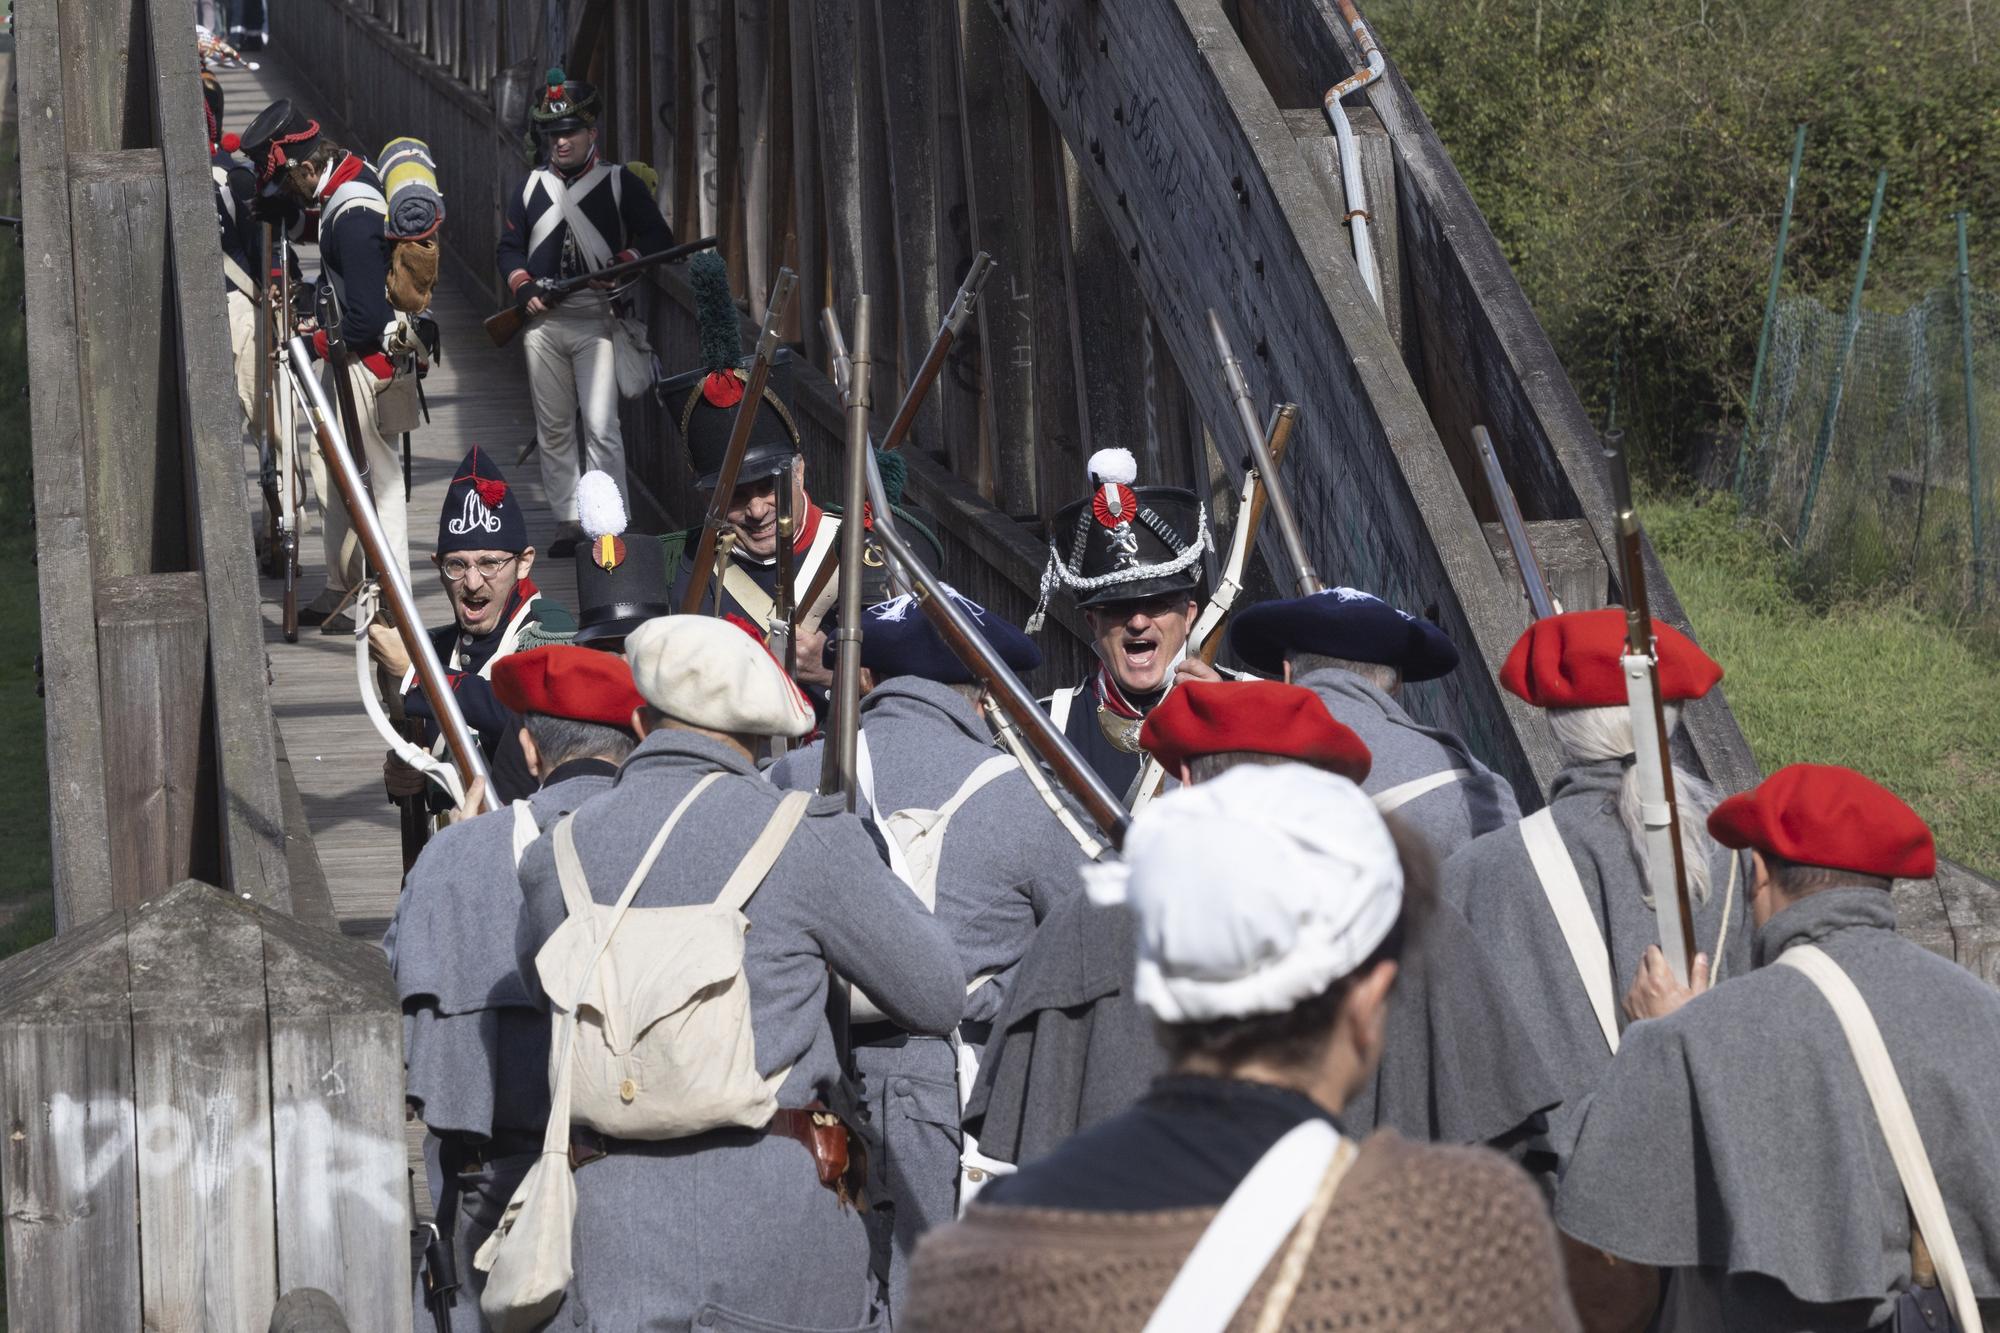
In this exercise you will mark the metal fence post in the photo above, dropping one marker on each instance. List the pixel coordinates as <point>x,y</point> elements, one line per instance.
<point>1770,311</point>
<point>1971,414</point>
<point>1832,413</point>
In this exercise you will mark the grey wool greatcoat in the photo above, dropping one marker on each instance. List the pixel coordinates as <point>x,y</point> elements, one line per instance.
<point>1734,1143</point>
<point>475,1035</point>
<point>732,1229</point>
<point>1494,884</point>
<point>1446,818</point>
<point>1073,1048</point>
<point>1007,863</point>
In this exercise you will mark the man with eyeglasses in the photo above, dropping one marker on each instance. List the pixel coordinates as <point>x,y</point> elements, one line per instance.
<point>484,558</point>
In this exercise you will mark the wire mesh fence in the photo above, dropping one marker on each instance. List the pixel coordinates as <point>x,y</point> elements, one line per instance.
<point>1871,469</point>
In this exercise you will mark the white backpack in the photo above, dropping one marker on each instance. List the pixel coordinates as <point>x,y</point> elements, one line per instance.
<point>664,1046</point>
<point>659,1007</point>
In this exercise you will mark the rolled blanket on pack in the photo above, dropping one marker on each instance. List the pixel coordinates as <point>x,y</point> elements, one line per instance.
<point>409,182</point>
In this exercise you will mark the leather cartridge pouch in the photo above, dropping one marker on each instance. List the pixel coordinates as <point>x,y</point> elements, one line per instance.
<point>839,1156</point>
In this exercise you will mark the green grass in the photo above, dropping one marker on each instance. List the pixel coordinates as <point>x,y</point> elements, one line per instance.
<point>1873,684</point>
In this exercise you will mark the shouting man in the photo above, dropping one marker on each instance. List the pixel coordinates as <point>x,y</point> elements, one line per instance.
<point>1131,557</point>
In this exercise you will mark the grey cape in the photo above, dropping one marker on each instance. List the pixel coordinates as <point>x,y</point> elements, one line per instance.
<point>1733,1140</point>
<point>1007,863</point>
<point>475,1034</point>
<point>1493,883</point>
<point>731,1228</point>
<point>1073,1047</point>
<point>1404,750</point>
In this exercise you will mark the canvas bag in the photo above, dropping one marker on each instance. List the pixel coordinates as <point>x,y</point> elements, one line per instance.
<point>916,843</point>
<point>527,1258</point>
<point>664,1046</point>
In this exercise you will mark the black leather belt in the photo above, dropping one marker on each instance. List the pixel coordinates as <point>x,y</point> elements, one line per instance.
<point>887,1036</point>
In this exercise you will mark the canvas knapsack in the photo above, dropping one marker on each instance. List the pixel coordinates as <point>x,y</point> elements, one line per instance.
<point>412,210</point>
<point>664,1046</point>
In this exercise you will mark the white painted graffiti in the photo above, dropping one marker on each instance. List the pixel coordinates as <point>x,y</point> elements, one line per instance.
<point>322,1162</point>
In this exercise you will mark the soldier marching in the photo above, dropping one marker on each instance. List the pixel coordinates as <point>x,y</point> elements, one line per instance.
<point>747,989</point>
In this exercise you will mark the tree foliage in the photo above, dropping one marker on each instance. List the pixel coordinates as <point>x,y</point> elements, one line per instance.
<point>1630,156</point>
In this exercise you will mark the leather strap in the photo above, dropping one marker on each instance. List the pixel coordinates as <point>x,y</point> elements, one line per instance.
<point>1564,890</point>
<point>1899,1126</point>
<point>1060,704</point>
<point>1403,793</point>
<point>1233,1252</point>
<point>526,830</point>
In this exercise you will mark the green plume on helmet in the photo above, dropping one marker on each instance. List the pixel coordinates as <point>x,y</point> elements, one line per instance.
<point>895,471</point>
<point>715,310</point>
<point>556,76</point>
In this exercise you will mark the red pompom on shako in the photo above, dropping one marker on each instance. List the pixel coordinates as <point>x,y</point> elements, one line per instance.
<point>722,388</point>
<point>1824,815</point>
<point>1573,661</point>
<point>562,680</point>
<point>231,142</point>
<point>1265,717</point>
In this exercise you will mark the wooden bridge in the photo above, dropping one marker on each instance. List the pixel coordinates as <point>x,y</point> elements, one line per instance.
<point>1129,166</point>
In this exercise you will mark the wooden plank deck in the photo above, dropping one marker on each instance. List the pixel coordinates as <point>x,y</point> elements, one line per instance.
<point>478,394</point>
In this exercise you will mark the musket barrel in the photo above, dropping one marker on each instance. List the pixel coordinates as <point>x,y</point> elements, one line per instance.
<point>1306,579</point>
<point>1541,602</point>
<point>837,769</point>
<point>948,330</point>
<point>395,589</point>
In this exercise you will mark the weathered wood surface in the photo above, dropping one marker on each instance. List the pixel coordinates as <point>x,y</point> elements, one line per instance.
<point>81,856</point>
<point>138,495</point>
<point>1164,107</point>
<point>152,636</point>
<point>71,1163</point>
<point>242,783</point>
<point>201,1089</point>
<point>203,1100</point>
<point>336,1114</point>
<point>1571,563</point>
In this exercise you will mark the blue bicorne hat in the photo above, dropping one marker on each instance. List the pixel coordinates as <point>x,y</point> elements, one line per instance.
<point>1341,622</point>
<point>481,512</point>
<point>897,639</point>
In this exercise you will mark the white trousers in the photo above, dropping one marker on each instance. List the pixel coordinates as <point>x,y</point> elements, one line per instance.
<point>384,461</point>
<point>572,371</point>
<point>243,341</point>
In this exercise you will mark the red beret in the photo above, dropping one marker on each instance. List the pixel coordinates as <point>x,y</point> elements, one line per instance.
<point>582,684</point>
<point>1822,815</point>
<point>1572,661</point>
<point>1212,717</point>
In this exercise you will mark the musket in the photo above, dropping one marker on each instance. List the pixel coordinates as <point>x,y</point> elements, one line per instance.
<point>778,637</point>
<point>1306,579</point>
<point>739,442</point>
<point>367,523</point>
<point>1012,703</point>
<point>949,329</point>
<point>1541,602</point>
<point>838,759</point>
<point>1666,874</point>
<point>502,325</point>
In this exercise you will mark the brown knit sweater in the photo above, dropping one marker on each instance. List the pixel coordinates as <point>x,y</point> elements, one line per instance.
<point>1420,1239</point>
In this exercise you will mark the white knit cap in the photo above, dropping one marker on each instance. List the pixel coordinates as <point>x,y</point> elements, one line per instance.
<point>1253,892</point>
<point>710,673</point>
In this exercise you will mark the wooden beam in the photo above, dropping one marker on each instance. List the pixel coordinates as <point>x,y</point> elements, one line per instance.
<point>118,212</point>
<point>80,857</point>
<point>808,185</point>
<point>959,390</point>
<point>878,225</point>
<point>1061,425</point>
<point>1161,104</point>
<point>201,1087</point>
<point>906,35</point>
<point>70,1161</point>
<point>244,794</point>
<point>1111,333</point>
<point>993,111</point>
<point>152,635</point>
